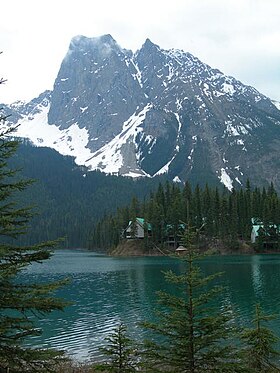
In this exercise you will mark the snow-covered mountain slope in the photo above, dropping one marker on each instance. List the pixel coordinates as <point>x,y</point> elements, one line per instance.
<point>277,104</point>
<point>152,112</point>
<point>119,155</point>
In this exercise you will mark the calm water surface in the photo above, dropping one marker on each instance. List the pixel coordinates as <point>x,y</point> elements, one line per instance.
<point>107,291</point>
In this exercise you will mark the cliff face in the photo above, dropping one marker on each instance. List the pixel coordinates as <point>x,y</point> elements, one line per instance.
<point>152,112</point>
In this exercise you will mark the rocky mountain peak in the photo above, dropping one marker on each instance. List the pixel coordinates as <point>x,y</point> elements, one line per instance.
<point>83,43</point>
<point>149,45</point>
<point>156,111</point>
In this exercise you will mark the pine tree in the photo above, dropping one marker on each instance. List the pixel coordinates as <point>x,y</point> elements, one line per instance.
<point>208,211</point>
<point>187,196</point>
<point>120,352</point>
<point>259,340</point>
<point>217,214</point>
<point>193,336</point>
<point>196,206</point>
<point>18,301</point>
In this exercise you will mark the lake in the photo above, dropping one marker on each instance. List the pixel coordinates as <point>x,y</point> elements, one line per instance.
<point>106,291</point>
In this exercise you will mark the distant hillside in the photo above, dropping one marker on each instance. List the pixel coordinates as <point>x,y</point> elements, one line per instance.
<point>68,199</point>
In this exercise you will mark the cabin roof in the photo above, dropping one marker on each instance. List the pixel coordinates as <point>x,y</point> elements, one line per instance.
<point>256,228</point>
<point>142,222</point>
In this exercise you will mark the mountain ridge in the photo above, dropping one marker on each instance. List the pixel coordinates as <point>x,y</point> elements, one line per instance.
<point>151,112</point>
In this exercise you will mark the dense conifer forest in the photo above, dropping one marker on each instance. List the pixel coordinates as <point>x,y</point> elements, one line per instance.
<point>220,214</point>
<point>92,210</point>
<point>67,200</point>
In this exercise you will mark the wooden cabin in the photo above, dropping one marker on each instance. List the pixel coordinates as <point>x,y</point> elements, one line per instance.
<point>138,229</point>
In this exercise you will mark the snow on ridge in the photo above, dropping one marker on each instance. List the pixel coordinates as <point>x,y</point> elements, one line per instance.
<point>276,104</point>
<point>18,104</point>
<point>138,74</point>
<point>109,158</point>
<point>170,71</point>
<point>71,141</point>
<point>228,88</point>
<point>151,142</point>
<point>190,156</point>
<point>179,104</point>
<point>207,91</point>
<point>183,58</point>
<point>179,123</point>
<point>134,174</point>
<point>232,131</point>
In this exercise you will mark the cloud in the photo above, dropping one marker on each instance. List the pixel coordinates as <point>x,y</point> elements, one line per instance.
<point>238,37</point>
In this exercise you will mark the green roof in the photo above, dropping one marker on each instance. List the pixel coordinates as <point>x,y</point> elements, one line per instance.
<point>142,222</point>
<point>256,227</point>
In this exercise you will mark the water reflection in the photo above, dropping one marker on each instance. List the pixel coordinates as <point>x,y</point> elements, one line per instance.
<point>107,291</point>
<point>256,276</point>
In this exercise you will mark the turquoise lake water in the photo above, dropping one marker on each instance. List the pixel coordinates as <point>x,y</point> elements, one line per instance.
<point>106,291</point>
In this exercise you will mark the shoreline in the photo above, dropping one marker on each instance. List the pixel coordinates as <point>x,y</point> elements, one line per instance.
<point>137,248</point>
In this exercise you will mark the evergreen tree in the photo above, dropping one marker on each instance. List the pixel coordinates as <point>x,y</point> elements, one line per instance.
<point>233,233</point>
<point>175,214</point>
<point>196,207</point>
<point>217,214</point>
<point>225,216</point>
<point>208,211</point>
<point>256,203</point>
<point>194,337</point>
<point>259,351</point>
<point>120,352</point>
<point>18,301</point>
<point>157,221</point>
<point>187,196</point>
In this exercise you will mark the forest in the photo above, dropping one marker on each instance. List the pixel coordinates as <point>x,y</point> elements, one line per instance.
<point>92,209</point>
<point>68,200</point>
<point>217,213</point>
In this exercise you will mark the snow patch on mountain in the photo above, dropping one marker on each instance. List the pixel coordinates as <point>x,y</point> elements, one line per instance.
<point>230,129</point>
<point>225,179</point>
<point>177,179</point>
<point>165,168</point>
<point>276,103</point>
<point>228,88</point>
<point>138,74</point>
<point>71,141</point>
<point>101,85</point>
<point>109,158</point>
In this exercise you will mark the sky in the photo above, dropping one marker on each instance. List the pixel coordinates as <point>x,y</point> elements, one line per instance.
<point>239,37</point>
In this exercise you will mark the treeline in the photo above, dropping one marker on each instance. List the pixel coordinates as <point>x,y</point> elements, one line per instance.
<point>68,201</point>
<point>217,212</point>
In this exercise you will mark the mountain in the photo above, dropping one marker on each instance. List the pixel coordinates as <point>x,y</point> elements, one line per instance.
<point>68,202</point>
<point>152,112</point>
